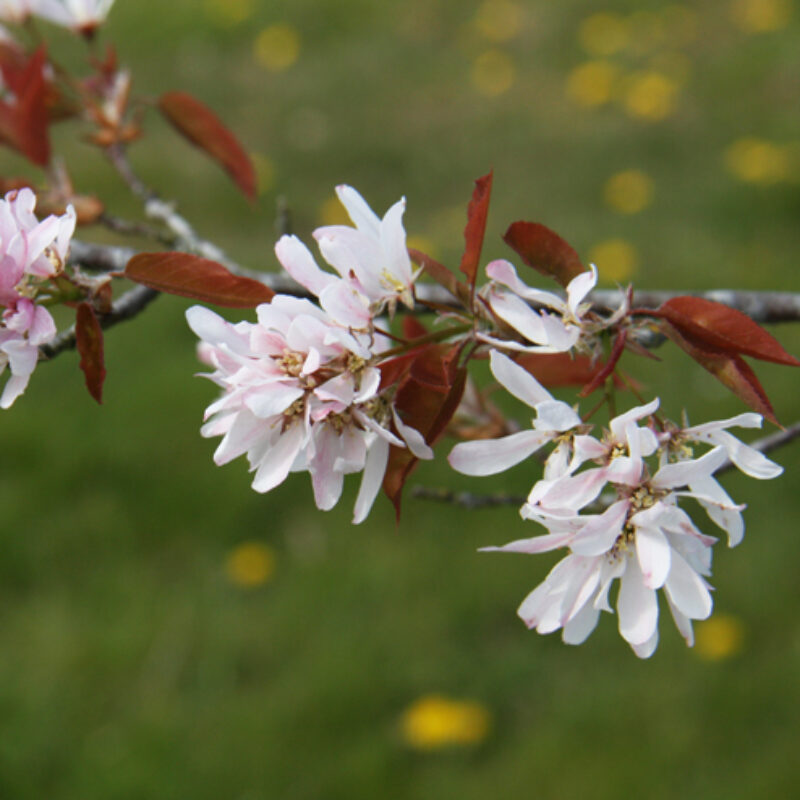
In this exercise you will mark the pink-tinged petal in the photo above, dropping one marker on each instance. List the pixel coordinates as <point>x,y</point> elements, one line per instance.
<point>275,464</point>
<point>577,630</point>
<point>746,420</point>
<point>352,450</point>
<point>339,389</point>
<point>553,415</point>
<point>598,535</point>
<point>609,573</point>
<point>241,430</point>
<point>572,492</point>
<point>654,554</point>
<point>514,311</point>
<point>272,399</point>
<point>297,260</point>
<point>490,456</point>
<point>362,216</point>
<point>683,473</point>
<point>370,383</point>
<point>393,238</point>
<point>722,511</point>
<point>346,305</point>
<point>14,387</point>
<point>537,544</point>
<point>65,232</point>
<point>687,590</point>
<point>352,253</point>
<point>677,521</point>
<point>637,606</point>
<point>582,589</point>
<point>22,356</point>
<point>371,425</point>
<point>515,347</point>
<point>579,287</point>
<point>747,459</point>
<point>412,437</point>
<point>558,461</point>
<point>312,362</point>
<point>646,649</point>
<point>36,241</point>
<point>504,272</point>
<point>43,327</point>
<point>560,337</point>
<point>211,328</point>
<point>374,470</point>
<point>682,623</point>
<point>518,381</point>
<point>326,481</point>
<point>541,609</point>
<point>586,448</point>
<point>619,425</point>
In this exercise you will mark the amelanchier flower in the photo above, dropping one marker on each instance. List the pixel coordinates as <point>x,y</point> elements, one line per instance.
<point>301,393</point>
<point>643,538</point>
<point>31,252</point>
<point>371,259</point>
<point>16,11</point>
<point>548,331</point>
<point>553,418</point>
<point>82,16</point>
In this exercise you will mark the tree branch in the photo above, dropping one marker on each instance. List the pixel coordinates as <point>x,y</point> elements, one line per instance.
<point>468,500</point>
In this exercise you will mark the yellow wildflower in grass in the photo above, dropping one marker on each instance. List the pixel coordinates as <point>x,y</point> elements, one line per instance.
<point>265,171</point>
<point>650,96</point>
<point>754,160</point>
<point>593,83</point>
<point>616,259</point>
<point>629,192</point>
<point>604,34</point>
<point>719,638</point>
<point>230,12</point>
<point>332,212</point>
<point>433,722</point>
<point>493,73</point>
<point>277,47</point>
<point>250,564</point>
<point>498,20</point>
<point>761,16</point>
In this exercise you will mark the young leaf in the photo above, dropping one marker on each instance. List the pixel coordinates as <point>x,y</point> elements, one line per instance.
<point>24,121</point>
<point>730,369</point>
<point>427,399</point>
<point>544,250</point>
<point>199,278</point>
<point>476,228</point>
<point>201,126</point>
<point>89,340</point>
<point>562,369</point>
<point>723,328</point>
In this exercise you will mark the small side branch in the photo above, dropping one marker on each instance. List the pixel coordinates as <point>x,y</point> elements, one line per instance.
<point>765,444</point>
<point>126,307</point>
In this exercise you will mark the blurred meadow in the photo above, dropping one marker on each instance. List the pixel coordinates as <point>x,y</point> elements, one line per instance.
<point>166,632</point>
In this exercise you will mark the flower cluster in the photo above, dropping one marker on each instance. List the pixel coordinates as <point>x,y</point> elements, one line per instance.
<point>83,16</point>
<point>302,386</point>
<point>31,252</point>
<point>642,537</point>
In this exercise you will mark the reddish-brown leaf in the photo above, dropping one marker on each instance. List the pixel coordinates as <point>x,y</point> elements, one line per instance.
<point>544,250</point>
<point>426,407</point>
<point>89,340</point>
<point>199,278</point>
<point>561,369</point>
<point>438,272</point>
<point>413,328</point>
<point>723,328</point>
<point>203,128</point>
<point>729,368</point>
<point>24,120</point>
<point>476,228</point>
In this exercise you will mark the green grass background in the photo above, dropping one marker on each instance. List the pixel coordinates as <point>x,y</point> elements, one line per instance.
<point>130,667</point>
